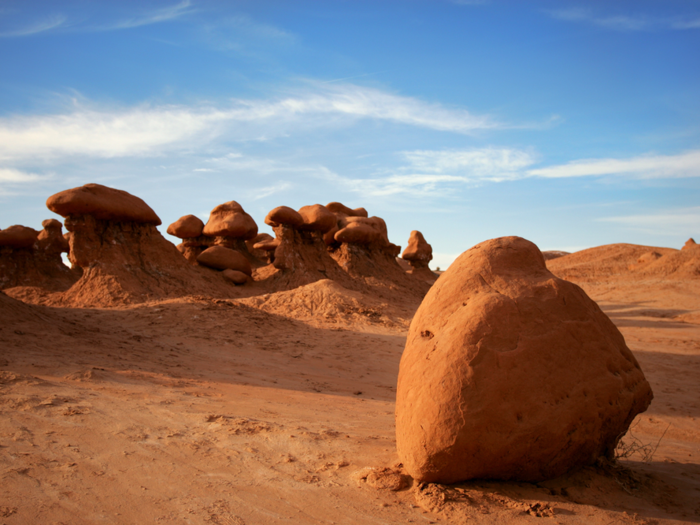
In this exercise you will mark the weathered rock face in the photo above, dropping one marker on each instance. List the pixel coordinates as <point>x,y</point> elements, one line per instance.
<point>31,258</point>
<point>511,373</point>
<point>124,257</point>
<point>690,243</point>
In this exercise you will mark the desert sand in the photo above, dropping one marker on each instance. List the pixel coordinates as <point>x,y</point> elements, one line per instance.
<point>262,406</point>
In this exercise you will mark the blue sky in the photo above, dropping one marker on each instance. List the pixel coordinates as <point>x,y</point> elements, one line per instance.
<point>573,124</point>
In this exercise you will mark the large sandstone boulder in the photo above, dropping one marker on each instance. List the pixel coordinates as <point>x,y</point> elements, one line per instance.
<point>689,244</point>
<point>511,373</point>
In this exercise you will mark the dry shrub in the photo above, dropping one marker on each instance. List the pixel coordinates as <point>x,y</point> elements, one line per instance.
<point>630,445</point>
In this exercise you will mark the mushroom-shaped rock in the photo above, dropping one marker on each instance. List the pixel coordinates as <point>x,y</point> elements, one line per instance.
<point>186,227</point>
<point>235,276</point>
<point>511,373</point>
<point>18,236</point>
<point>690,243</point>
<point>230,220</point>
<point>418,252</point>
<point>102,203</point>
<point>284,215</point>
<point>124,257</point>
<point>316,218</point>
<point>222,258</point>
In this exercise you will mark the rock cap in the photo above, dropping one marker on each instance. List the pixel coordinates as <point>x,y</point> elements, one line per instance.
<point>102,203</point>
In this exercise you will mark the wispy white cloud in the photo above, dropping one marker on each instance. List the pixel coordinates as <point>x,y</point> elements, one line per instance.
<point>152,17</point>
<point>437,172</point>
<point>681,222</point>
<point>15,176</point>
<point>245,35</point>
<point>688,23</point>
<point>41,26</point>
<point>494,164</point>
<point>618,22</point>
<point>261,193</point>
<point>646,167</point>
<point>148,130</point>
<point>625,22</point>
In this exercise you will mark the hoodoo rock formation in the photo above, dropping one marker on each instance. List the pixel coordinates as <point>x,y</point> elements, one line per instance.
<point>31,258</point>
<point>419,253</point>
<point>511,373</point>
<point>124,257</point>
<point>301,255</point>
<point>230,226</point>
<point>362,248</point>
<point>189,229</point>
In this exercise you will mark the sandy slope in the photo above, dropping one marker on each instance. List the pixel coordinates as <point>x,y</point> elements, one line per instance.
<point>269,409</point>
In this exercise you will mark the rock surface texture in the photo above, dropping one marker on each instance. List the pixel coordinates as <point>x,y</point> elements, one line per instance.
<point>511,373</point>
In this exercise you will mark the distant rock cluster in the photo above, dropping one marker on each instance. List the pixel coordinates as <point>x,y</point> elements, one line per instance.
<point>116,251</point>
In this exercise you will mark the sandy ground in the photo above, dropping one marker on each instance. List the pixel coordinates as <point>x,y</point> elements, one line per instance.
<point>280,409</point>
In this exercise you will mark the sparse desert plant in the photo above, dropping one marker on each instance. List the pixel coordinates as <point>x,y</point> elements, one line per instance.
<point>630,445</point>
